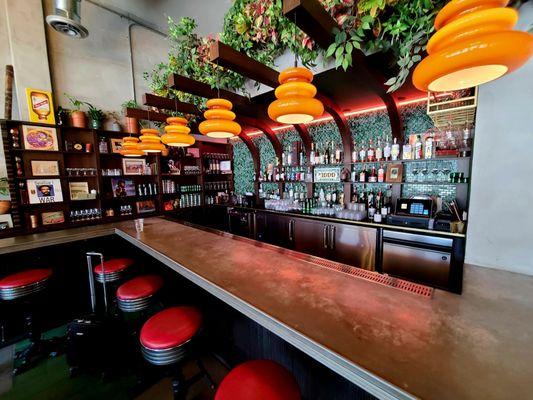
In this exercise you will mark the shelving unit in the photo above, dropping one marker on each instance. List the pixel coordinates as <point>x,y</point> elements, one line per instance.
<point>94,159</point>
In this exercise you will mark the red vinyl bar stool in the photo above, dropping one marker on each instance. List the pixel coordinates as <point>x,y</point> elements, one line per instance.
<point>113,269</point>
<point>138,293</point>
<point>167,339</point>
<point>23,287</point>
<point>258,380</point>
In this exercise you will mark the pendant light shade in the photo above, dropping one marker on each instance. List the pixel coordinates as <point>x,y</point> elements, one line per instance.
<point>177,133</point>
<point>295,102</point>
<point>219,120</point>
<point>474,44</point>
<point>130,147</point>
<point>150,141</point>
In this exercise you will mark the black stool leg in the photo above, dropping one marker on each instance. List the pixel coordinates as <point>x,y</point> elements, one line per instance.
<point>206,374</point>
<point>179,386</point>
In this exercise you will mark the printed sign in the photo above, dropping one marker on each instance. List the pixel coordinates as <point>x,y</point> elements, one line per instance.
<point>45,191</point>
<point>327,175</point>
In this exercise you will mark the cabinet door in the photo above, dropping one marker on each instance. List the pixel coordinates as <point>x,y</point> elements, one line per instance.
<point>311,237</point>
<point>353,245</point>
<point>286,231</point>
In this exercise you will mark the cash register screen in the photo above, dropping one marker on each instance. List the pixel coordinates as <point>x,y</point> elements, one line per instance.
<point>413,207</point>
<point>418,209</point>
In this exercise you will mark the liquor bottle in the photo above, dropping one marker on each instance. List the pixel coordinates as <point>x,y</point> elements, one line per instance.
<point>387,150</point>
<point>338,155</point>
<point>379,151</point>
<point>276,176</point>
<point>395,150</point>
<point>407,152</point>
<point>353,177</point>
<point>362,175</point>
<point>321,157</point>
<point>354,153</point>
<point>283,158</point>
<point>362,153</point>
<point>381,173</point>
<point>370,153</point>
<point>289,156</point>
<point>327,159</point>
<point>301,161</point>
<point>282,175</point>
<point>418,148</point>
<point>373,177</point>
<point>428,148</point>
<point>312,154</point>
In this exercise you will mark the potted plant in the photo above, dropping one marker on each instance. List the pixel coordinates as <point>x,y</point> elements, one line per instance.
<point>79,119</point>
<point>131,124</point>
<point>96,116</point>
<point>115,125</point>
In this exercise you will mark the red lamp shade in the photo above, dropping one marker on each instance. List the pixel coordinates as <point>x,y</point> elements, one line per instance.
<point>474,44</point>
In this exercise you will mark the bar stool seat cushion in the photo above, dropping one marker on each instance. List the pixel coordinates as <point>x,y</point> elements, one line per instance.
<point>170,328</point>
<point>259,380</point>
<point>25,278</point>
<point>114,265</point>
<point>140,287</point>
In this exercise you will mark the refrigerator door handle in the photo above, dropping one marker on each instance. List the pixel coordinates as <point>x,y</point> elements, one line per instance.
<point>325,237</point>
<point>332,237</point>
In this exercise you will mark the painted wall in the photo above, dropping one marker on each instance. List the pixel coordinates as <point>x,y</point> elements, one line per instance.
<point>500,233</point>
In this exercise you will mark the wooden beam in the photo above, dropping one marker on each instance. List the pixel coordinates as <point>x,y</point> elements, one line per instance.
<point>144,114</point>
<point>165,103</point>
<point>306,139</point>
<point>227,57</point>
<point>262,126</point>
<point>313,19</point>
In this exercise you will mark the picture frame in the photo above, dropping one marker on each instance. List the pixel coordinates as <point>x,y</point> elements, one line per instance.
<point>39,138</point>
<point>145,206</point>
<point>6,221</point>
<point>122,187</point>
<point>116,145</point>
<point>44,168</point>
<point>394,173</point>
<point>133,166</point>
<point>40,106</point>
<point>79,190</point>
<point>52,217</point>
<point>44,191</point>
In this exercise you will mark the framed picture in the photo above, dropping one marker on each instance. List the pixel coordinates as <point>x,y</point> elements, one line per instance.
<point>53,217</point>
<point>122,187</point>
<point>39,138</point>
<point>145,207</point>
<point>44,168</point>
<point>116,145</point>
<point>43,191</point>
<point>40,106</point>
<point>4,190</point>
<point>133,166</point>
<point>394,173</point>
<point>78,190</point>
<point>6,221</point>
<point>193,151</point>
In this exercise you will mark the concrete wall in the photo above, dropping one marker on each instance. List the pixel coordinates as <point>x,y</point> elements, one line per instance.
<point>500,231</point>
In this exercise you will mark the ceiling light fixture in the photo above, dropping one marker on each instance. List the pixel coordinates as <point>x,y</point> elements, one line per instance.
<point>177,133</point>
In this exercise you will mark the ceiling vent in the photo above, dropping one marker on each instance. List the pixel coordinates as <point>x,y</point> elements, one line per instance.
<point>66,19</point>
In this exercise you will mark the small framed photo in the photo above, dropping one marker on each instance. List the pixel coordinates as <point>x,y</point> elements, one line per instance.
<point>193,151</point>
<point>39,138</point>
<point>79,190</point>
<point>133,166</point>
<point>44,168</point>
<point>53,217</point>
<point>394,173</point>
<point>145,207</point>
<point>122,187</point>
<point>43,191</point>
<point>116,145</point>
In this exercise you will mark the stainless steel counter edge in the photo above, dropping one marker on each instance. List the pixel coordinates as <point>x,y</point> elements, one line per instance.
<point>373,384</point>
<point>357,223</point>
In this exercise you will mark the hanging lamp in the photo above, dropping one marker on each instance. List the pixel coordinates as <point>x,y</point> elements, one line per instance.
<point>130,147</point>
<point>177,133</point>
<point>295,102</point>
<point>219,119</point>
<point>150,141</point>
<point>473,44</point>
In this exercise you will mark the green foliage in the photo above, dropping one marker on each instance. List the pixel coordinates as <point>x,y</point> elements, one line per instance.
<point>130,104</point>
<point>76,104</point>
<point>95,114</point>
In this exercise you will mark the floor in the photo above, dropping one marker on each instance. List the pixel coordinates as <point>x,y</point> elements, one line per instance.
<point>50,380</point>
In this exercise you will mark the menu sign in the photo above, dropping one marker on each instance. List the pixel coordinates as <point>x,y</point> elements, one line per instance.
<point>327,175</point>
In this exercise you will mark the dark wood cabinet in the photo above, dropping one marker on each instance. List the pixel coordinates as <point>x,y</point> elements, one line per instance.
<point>352,245</point>
<point>311,237</point>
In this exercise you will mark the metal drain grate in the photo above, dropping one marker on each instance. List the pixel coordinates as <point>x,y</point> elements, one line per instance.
<point>371,276</point>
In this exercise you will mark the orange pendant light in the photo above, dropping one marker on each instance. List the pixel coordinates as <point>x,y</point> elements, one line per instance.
<point>295,102</point>
<point>150,141</point>
<point>130,147</point>
<point>474,44</point>
<point>219,120</point>
<point>177,133</point>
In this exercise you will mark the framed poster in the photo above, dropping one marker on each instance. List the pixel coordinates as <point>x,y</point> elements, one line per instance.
<point>39,138</point>
<point>44,168</point>
<point>116,145</point>
<point>133,166</point>
<point>40,106</point>
<point>122,187</point>
<point>43,191</point>
<point>79,190</point>
<point>145,207</point>
<point>394,173</point>
<point>6,221</point>
<point>53,217</point>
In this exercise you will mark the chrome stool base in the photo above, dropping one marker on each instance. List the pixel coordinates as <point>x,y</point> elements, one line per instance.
<point>22,291</point>
<point>134,305</point>
<point>165,356</point>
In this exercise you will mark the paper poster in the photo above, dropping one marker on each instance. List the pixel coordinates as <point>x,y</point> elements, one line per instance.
<point>43,191</point>
<point>40,106</point>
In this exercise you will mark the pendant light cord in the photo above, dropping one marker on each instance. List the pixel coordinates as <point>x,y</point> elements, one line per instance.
<point>217,80</point>
<point>295,52</point>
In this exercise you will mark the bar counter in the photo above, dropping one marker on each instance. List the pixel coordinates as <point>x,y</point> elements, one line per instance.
<point>391,343</point>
